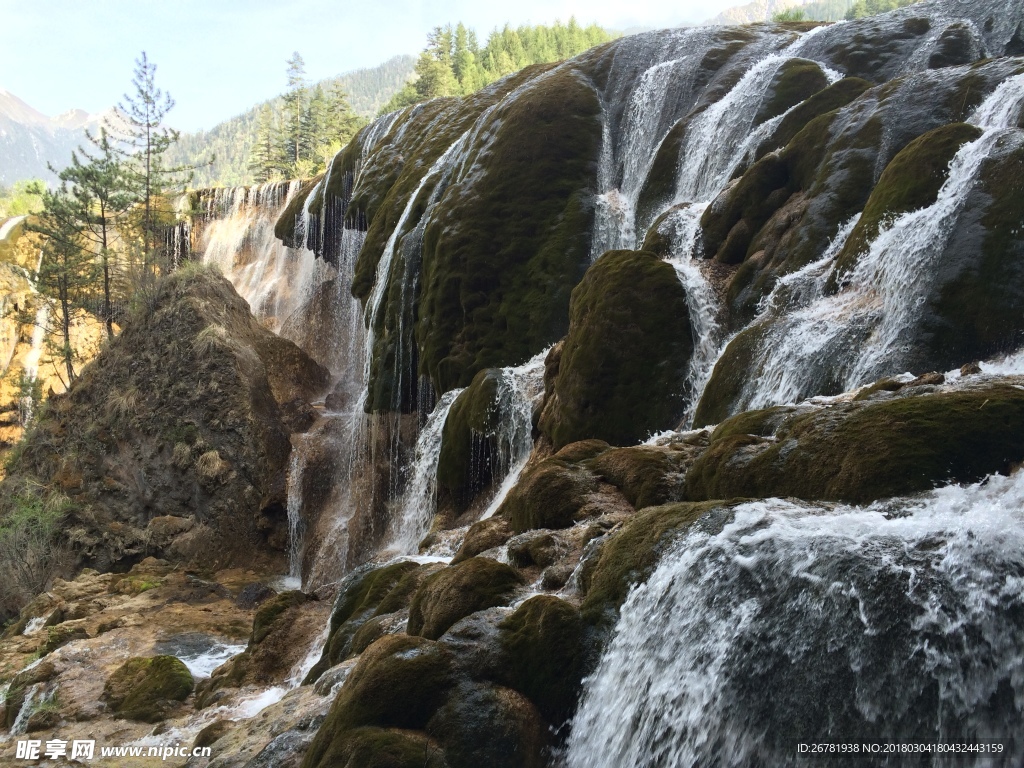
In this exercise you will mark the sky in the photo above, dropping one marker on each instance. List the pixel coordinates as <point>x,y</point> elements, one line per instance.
<point>217,58</point>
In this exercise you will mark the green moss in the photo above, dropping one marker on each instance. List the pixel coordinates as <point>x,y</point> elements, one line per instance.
<point>796,81</point>
<point>762,423</point>
<point>836,96</point>
<point>548,495</point>
<point>284,227</point>
<point>646,475</point>
<point>458,591</point>
<point>399,682</point>
<point>912,180</point>
<point>487,725</point>
<point>145,689</point>
<point>869,450</point>
<point>729,377</point>
<point>626,354</point>
<point>468,442</point>
<point>544,645</point>
<point>272,612</point>
<point>363,594</point>
<point>630,555</point>
<point>503,251</point>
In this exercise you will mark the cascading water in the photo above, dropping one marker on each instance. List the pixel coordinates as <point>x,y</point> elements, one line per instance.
<point>859,333</point>
<point>898,622</point>
<point>418,503</point>
<point>519,392</point>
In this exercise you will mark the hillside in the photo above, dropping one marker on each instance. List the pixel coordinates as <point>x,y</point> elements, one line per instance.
<point>230,142</point>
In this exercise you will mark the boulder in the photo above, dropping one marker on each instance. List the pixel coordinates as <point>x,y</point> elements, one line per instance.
<point>458,591</point>
<point>148,689</point>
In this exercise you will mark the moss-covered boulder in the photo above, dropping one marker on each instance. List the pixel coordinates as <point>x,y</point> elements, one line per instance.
<point>148,689</point>
<point>646,475</point>
<point>549,494</point>
<point>483,535</point>
<point>469,443</point>
<point>379,748</point>
<point>490,725</point>
<point>623,367</point>
<point>398,682</point>
<point>364,594</point>
<point>14,698</point>
<point>630,555</point>
<point>458,591</point>
<point>867,450</point>
<point>796,81</point>
<point>546,654</point>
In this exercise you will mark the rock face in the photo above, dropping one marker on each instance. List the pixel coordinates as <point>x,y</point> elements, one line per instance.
<point>174,441</point>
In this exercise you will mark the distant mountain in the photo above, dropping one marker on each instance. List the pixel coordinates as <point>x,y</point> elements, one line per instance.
<point>230,141</point>
<point>29,139</point>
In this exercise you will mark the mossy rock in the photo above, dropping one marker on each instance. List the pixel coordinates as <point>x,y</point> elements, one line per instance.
<point>630,555</point>
<point>626,355</point>
<point>375,748</point>
<point>955,47</point>
<point>836,96</point>
<point>864,451</point>
<point>284,227</point>
<point>728,378</point>
<point>398,682</point>
<point>912,180</point>
<point>458,591</point>
<point>366,593</point>
<point>646,475</point>
<point>16,691</point>
<point>503,252</point>
<point>545,648</point>
<point>148,689</point>
<point>468,443</point>
<point>486,725</point>
<point>549,494</point>
<point>483,535</point>
<point>272,612</point>
<point>796,81</point>
<point>764,422</point>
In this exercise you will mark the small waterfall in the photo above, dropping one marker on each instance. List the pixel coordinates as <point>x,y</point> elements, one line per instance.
<point>383,273</point>
<point>898,622</point>
<point>519,393</point>
<point>862,332</point>
<point>416,508</point>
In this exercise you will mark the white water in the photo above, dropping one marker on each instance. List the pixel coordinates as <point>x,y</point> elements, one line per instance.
<point>201,664</point>
<point>895,622</point>
<point>520,391</point>
<point>418,504</point>
<point>862,332</point>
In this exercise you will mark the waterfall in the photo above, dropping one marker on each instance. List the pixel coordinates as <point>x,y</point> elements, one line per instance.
<point>861,332</point>
<point>237,236</point>
<point>897,622</point>
<point>418,503</point>
<point>520,391</point>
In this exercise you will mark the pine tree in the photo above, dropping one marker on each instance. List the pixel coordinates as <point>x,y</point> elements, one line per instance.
<point>67,269</point>
<point>100,186</point>
<point>294,111</point>
<point>140,128</point>
<point>265,160</point>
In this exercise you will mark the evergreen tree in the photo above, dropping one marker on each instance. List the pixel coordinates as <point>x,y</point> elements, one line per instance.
<point>292,140</point>
<point>265,162</point>
<point>141,130</point>
<point>67,270</point>
<point>100,185</point>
